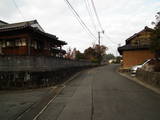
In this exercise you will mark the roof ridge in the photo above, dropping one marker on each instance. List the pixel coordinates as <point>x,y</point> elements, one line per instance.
<point>3,22</point>
<point>21,22</point>
<point>135,34</point>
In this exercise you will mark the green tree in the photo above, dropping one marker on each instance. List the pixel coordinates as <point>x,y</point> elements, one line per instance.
<point>155,36</point>
<point>79,55</point>
<point>95,53</point>
<point>109,56</point>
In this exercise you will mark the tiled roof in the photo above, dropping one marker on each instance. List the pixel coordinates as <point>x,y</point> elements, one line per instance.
<point>130,47</point>
<point>17,25</point>
<point>28,25</point>
<point>136,34</point>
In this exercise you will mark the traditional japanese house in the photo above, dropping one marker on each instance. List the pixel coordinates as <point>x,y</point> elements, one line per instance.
<point>28,38</point>
<point>137,48</point>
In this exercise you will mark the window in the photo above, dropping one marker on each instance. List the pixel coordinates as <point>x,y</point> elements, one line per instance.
<point>34,44</point>
<point>10,43</point>
<point>23,40</point>
<point>3,44</point>
<point>18,42</point>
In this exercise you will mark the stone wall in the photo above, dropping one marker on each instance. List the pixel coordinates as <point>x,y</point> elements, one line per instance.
<point>22,72</point>
<point>38,63</point>
<point>152,78</point>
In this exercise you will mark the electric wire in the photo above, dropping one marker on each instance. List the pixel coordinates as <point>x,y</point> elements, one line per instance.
<point>100,25</point>
<point>18,9</point>
<point>96,14</point>
<point>88,7</point>
<point>89,11</point>
<point>80,20</point>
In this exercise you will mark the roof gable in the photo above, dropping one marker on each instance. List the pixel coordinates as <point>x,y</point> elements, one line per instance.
<point>138,41</point>
<point>32,23</point>
<point>146,29</point>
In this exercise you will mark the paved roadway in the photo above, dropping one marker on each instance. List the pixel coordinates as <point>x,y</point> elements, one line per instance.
<point>14,103</point>
<point>102,94</point>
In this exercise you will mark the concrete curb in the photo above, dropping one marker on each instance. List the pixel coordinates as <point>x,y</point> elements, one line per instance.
<point>146,85</point>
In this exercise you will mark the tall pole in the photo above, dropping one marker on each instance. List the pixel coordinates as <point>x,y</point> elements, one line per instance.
<point>99,43</point>
<point>99,38</point>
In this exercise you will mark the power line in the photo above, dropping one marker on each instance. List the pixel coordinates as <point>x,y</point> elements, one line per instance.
<point>18,9</point>
<point>95,11</point>
<point>100,25</point>
<point>88,7</point>
<point>80,20</point>
<point>83,24</point>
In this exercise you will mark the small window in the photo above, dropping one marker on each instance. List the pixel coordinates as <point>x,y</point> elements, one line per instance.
<point>10,44</point>
<point>23,41</point>
<point>18,42</point>
<point>34,44</point>
<point>3,44</point>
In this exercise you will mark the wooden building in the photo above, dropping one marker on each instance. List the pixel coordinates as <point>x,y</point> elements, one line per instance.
<point>28,38</point>
<point>137,48</point>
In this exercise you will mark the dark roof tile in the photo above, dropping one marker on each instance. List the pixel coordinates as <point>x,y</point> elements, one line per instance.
<point>28,25</point>
<point>130,47</point>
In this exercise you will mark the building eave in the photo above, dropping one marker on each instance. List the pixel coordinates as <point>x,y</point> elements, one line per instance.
<point>132,48</point>
<point>27,27</point>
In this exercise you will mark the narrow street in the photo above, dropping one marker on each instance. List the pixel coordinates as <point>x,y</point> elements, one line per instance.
<point>102,94</point>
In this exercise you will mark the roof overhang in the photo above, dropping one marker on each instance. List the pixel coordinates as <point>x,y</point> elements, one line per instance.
<point>35,31</point>
<point>132,48</point>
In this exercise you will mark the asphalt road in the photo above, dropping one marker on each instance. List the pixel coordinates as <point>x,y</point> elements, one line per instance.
<point>14,103</point>
<point>102,94</point>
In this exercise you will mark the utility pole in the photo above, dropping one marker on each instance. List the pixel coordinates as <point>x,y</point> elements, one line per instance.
<point>99,43</point>
<point>99,37</point>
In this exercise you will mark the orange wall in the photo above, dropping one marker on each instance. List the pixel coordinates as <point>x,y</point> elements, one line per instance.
<point>131,58</point>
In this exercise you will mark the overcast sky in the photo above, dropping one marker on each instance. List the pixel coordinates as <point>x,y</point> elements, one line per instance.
<point>119,18</point>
